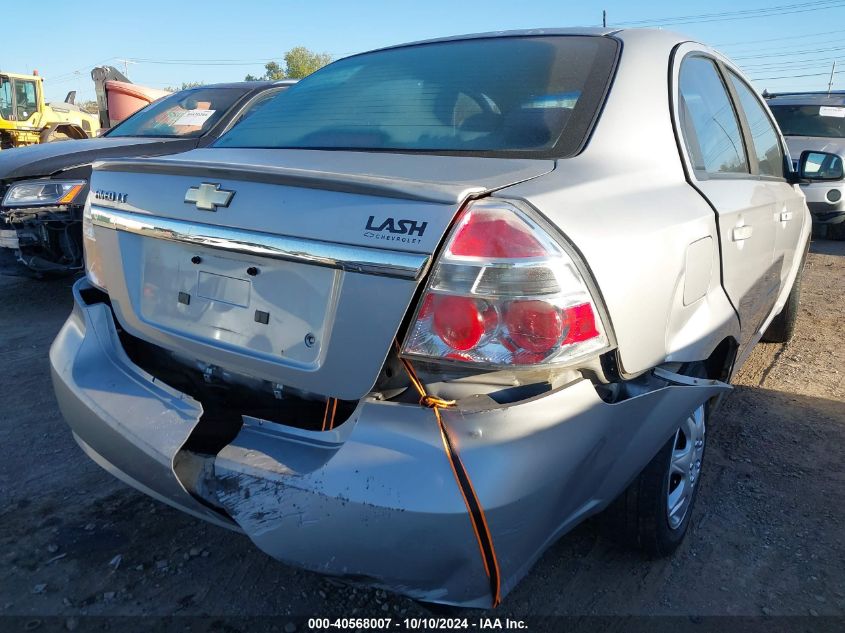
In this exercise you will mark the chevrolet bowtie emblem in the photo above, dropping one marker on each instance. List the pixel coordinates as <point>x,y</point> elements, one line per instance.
<point>209,196</point>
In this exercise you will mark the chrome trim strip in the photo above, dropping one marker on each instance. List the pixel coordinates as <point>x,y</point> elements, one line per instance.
<point>356,259</point>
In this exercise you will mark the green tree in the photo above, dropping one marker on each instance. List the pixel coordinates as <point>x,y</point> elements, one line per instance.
<point>299,62</point>
<point>186,85</point>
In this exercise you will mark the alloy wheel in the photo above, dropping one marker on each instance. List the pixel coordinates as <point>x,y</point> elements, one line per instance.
<point>685,467</point>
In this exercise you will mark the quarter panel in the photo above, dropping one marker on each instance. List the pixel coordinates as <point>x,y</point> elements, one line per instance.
<point>633,233</point>
<point>626,206</point>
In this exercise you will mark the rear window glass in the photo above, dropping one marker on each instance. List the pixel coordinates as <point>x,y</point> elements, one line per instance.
<point>185,114</point>
<point>810,120</point>
<point>509,95</point>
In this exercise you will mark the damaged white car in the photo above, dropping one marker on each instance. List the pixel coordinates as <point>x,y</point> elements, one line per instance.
<point>436,304</point>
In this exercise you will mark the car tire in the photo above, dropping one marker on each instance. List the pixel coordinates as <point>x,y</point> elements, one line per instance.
<point>642,517</point>
<point>782,327</point>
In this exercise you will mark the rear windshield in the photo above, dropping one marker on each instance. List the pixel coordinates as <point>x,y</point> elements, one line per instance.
<point>810,120</point>
<point>184,114</point>
<point>492,96</point>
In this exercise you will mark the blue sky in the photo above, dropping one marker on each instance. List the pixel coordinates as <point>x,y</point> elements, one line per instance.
<point>221,40</point>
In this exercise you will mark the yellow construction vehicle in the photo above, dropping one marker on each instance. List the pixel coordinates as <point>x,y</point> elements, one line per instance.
<point>25,119</point>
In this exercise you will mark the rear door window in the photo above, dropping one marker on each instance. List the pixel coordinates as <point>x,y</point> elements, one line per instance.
<point>710,126</point>
<point>764,136</point>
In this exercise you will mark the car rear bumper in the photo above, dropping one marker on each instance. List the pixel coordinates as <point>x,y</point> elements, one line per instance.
<point>374,500</point>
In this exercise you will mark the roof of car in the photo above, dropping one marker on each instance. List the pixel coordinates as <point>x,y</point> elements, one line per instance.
<point>248,85</point>
<point>835,97</point>
<point>516,33</point>
<point>524,32</point>
<point>663,34</point>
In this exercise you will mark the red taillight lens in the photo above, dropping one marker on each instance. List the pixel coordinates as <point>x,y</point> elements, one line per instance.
<point>458,321</point>
<point>505,292</point>
<point>534,325</point>
<point>494,237</point>
<point>461,322</point>
<point>581,324</point>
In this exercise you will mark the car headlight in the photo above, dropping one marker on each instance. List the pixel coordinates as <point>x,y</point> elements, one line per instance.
<point>93,259</point>
<point>40,193</point>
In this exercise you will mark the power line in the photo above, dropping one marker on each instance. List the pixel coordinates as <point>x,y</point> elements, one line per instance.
<point>775,49</point>
<point>78,70</point>
<point>824,74</point>
<point>796,72</point>
<point>785,9</point>
<point>776,39</point>
<point>196,62</point>
<point>152,60</point>
<point>793,65</point>
<point>810,51</point>
<point>791,68</point>
<point>126,63</point>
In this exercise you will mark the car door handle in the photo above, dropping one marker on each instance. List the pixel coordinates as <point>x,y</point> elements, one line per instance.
<point>741,233</point>
<point>785,216</point>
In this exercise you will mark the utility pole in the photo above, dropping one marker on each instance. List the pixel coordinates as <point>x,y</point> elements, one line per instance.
<point>126,63</point>
<point>604,18</point>
<point>830,83</point>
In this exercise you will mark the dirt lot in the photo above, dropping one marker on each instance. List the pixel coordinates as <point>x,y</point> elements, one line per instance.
<point>768,533</point>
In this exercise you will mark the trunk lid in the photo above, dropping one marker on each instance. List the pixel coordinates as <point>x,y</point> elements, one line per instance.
<point>295,267</point>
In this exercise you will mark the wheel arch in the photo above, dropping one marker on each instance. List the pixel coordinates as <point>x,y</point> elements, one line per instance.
<point>719,365</point>
<point>71,130</point>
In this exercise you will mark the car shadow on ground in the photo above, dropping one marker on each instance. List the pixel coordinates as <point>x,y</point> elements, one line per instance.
<point>828,247</point>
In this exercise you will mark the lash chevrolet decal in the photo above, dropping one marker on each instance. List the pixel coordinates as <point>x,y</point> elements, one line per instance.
<point>395,230</point>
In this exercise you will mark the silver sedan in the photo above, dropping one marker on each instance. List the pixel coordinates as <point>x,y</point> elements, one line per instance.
<point>433,306</point>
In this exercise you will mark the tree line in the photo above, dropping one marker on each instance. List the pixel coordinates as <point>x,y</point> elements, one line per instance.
<point>299,62</point>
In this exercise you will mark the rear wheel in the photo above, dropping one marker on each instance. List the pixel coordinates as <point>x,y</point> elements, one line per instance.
<point>654,512</point>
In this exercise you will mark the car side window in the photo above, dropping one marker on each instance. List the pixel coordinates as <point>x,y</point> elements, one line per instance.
<point>763,134</point>
<point>27,103</point>
<point>709,123</point>
<point>256,104</point>
<point>5,98</point>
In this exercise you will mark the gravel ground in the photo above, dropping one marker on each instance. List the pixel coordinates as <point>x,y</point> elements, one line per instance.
<point>767,535</point>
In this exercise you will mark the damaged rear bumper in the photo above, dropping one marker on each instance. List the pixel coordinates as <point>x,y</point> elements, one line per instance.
<point>373,500</point>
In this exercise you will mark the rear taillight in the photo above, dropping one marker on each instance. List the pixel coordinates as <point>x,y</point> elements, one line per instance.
<point>505,292</point>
